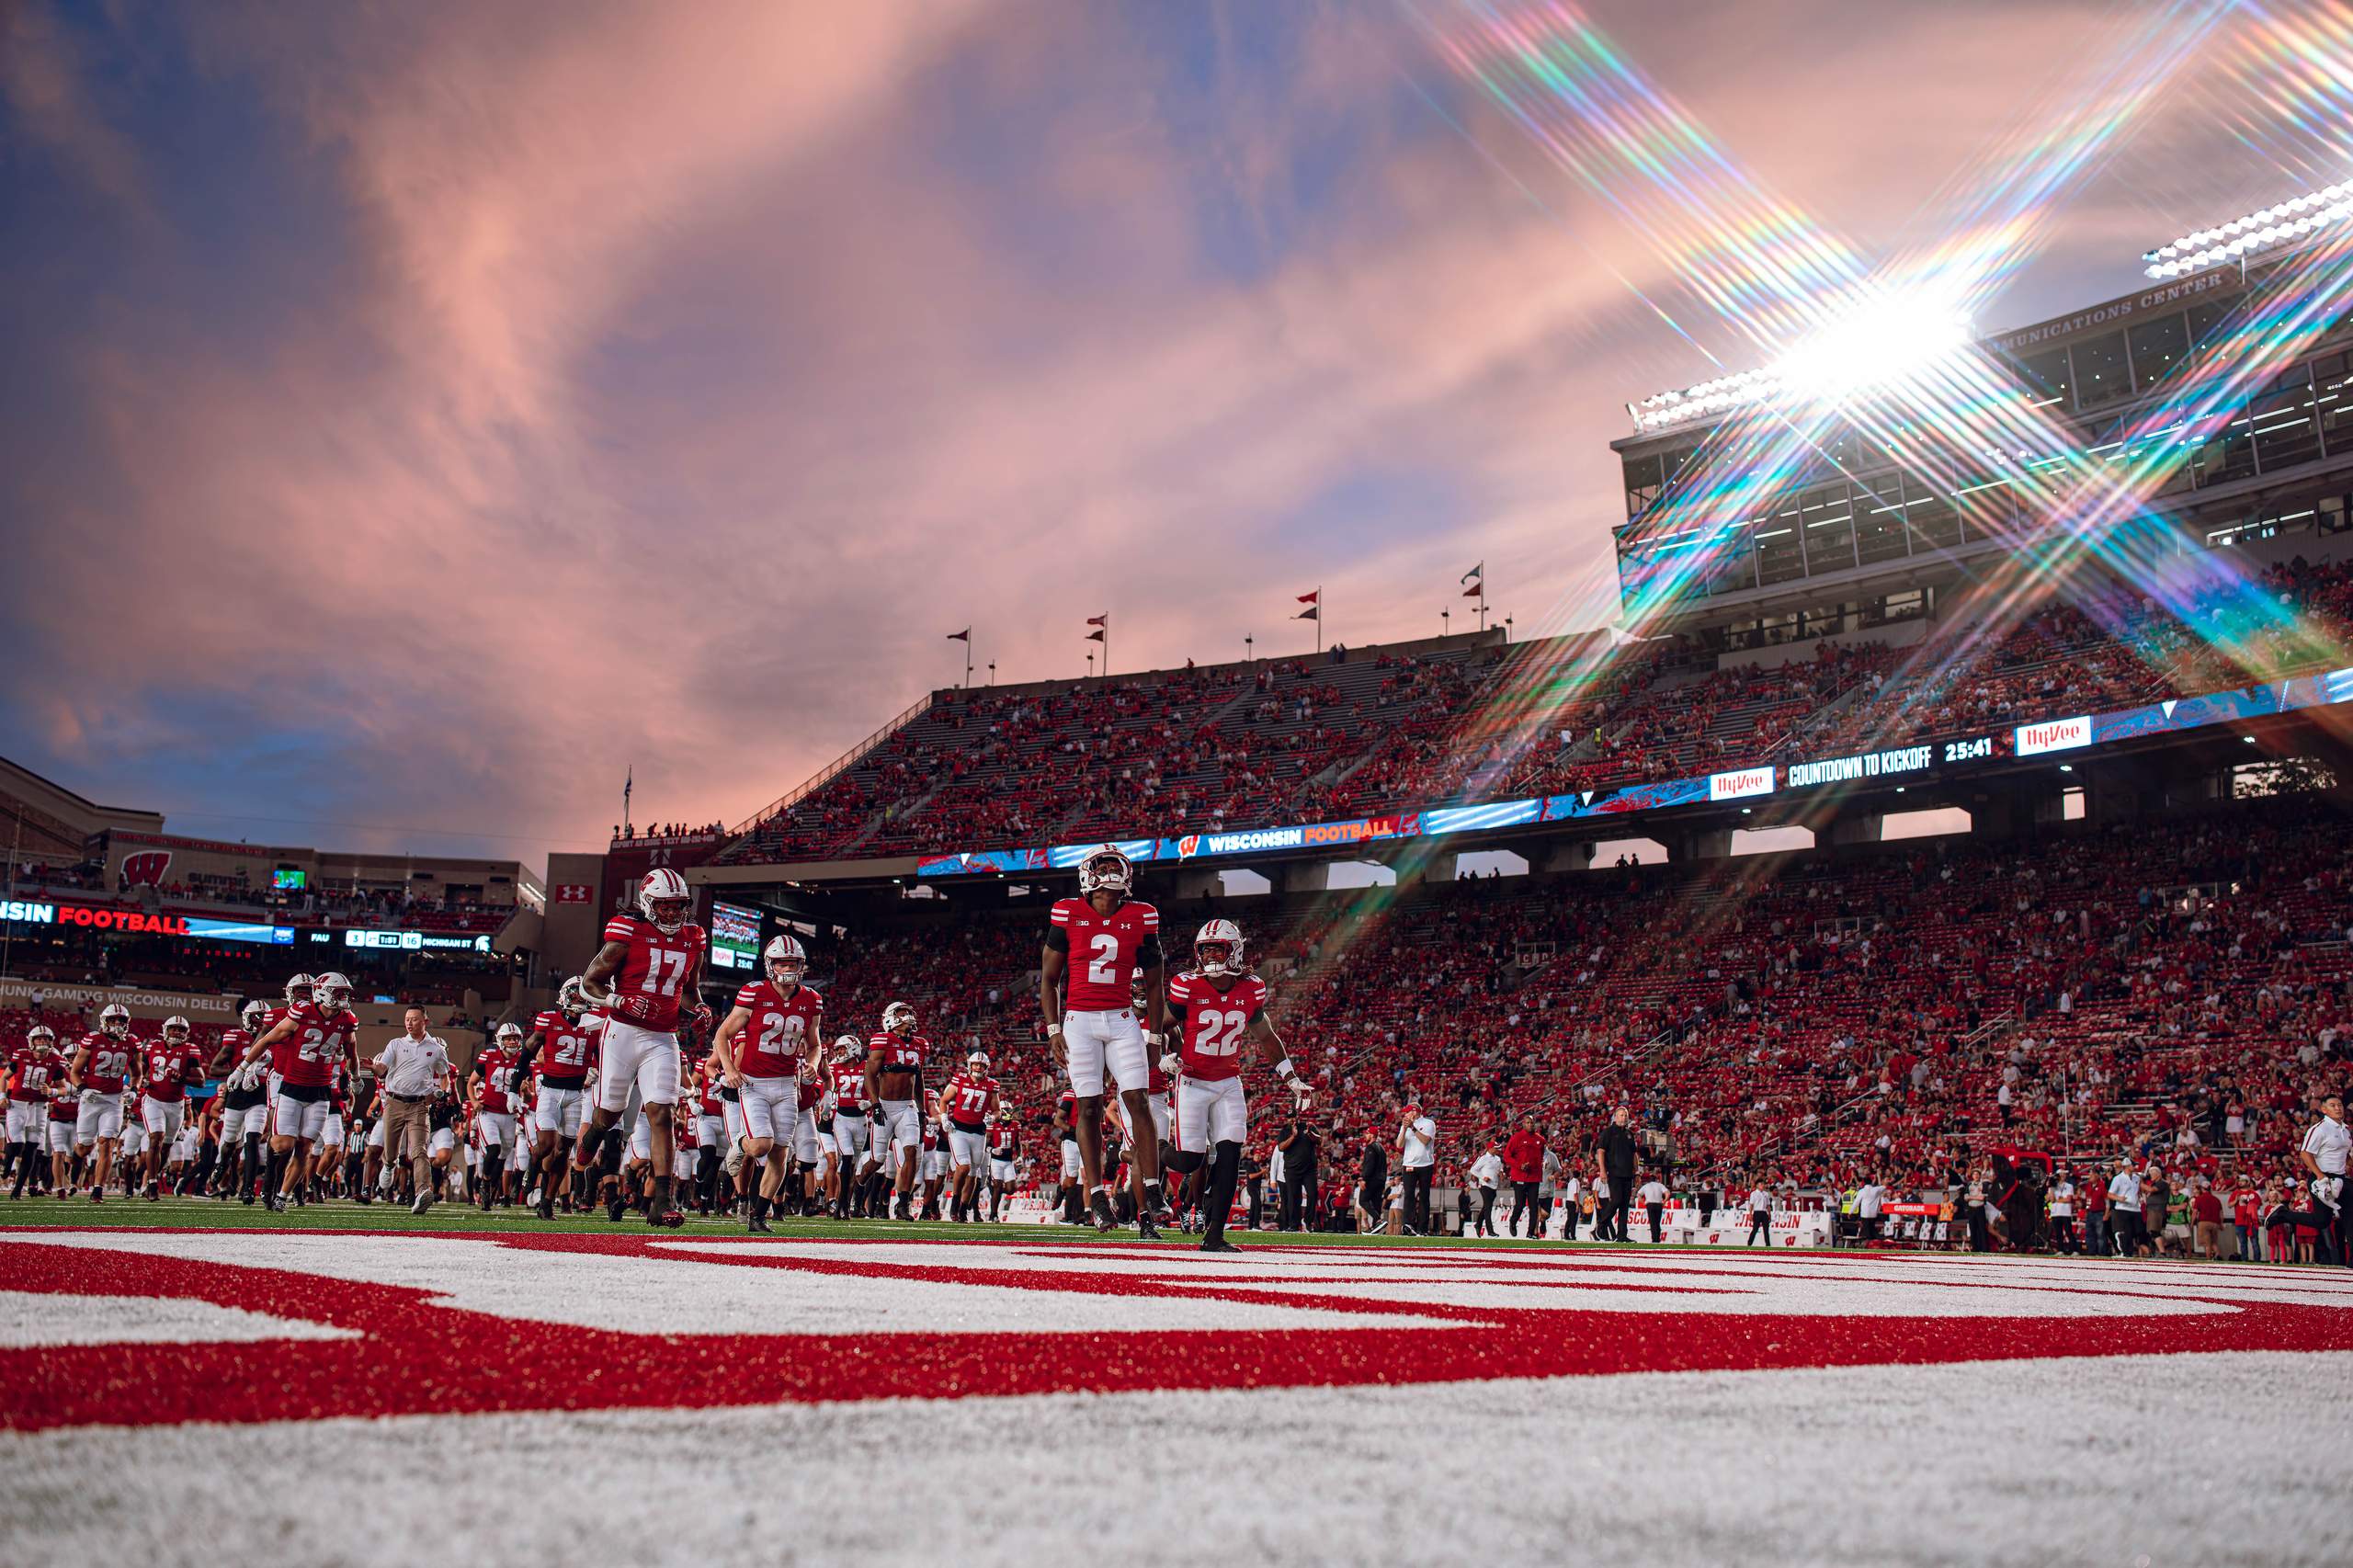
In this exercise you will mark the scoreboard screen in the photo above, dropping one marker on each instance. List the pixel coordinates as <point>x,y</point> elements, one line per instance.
<point>734,937</point>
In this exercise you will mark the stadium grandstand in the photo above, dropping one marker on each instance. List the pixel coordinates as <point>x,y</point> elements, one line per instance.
<point>1885,833</point>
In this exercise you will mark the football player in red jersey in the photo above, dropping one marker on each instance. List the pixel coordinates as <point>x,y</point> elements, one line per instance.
<point>965,1106</point>
<point>34,1069</point>
<point>849,1073</point>
<point>170,1066</point>
<point>491,1086</point>
<point>1005,1146</point>
<point>766,1048</point>
<point>893,1083</point>
<point>563,1044</point>
<point>1104,943</point>
<point>100,1064</point>
<point>1216,1003</point>
<point>319,1037</point>
<point>244,1103</point>
<point>642,979</point>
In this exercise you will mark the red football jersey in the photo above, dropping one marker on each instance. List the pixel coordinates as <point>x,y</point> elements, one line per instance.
<point>109,1062</point>
<point>64,1104</point>
<point>312,1053</point>
<point>782,1026</point>
<point>1103,950</point>
<point>1002,1141</point>
<point>1215,1022</point>
<point>169,1068</point>
<point>656,966</point>
<point>566,1049</point>
<point>494,1065</point>
<point>1066,1109</point>
<point>849,1089</point>
<point>966,1100</point>
<point>810,1091</point>
<point>35,1072</point>
<point>235,1042</point>
<point>899,1055</point>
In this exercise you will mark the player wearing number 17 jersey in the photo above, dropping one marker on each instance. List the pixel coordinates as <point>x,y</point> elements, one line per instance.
<point>1104,944</point>
<point>1216,1003</point>
<point>642,978</point>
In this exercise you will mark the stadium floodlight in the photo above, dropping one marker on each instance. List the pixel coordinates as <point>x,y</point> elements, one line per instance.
<point>2273,228</point>
<point>1891,337</point>
<point>1888,335</point>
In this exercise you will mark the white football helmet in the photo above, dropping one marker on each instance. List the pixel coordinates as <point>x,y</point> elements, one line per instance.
<point>114,1021</point>
<point>1217,949</point>
<point>663,899</point>
<point>331,993</point>
<point>899,1018</point>
<point>254,1014</point>
<point>299,988</point>
<point>848,1046</point>
<point>176,1029</point>
<point>41,1037</point>
<point>569,1000</point>
<point>1107,869</point>
<point>510,1037</point>
<point>784,959</point>
<point>978,1061</point>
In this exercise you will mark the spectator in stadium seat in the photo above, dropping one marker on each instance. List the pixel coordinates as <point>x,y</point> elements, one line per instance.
<point>1618,1165</point>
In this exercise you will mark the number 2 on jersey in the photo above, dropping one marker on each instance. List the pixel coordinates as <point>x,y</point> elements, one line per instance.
<point>1102,969</point>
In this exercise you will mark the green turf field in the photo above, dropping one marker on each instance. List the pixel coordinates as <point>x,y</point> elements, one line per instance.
<point>193,1213</point>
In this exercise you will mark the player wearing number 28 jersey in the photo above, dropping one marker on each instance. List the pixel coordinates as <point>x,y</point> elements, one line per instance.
<point>1104,945</point>
<point>765,1048</point>
<point>642,979</point>
<point>1215,1005</point>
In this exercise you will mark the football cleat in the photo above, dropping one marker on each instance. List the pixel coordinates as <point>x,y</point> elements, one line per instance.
<point>1218,1243</point>
<point>1100,1208</point>
<point>1145,1230</point>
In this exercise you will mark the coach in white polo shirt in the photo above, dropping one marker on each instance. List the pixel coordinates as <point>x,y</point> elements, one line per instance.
<point>2324,1155</point>
<point>414,1068</point>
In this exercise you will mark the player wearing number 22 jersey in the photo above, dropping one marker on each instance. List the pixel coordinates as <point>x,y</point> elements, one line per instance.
<point>643,979</point>
<point>1217,1005</point>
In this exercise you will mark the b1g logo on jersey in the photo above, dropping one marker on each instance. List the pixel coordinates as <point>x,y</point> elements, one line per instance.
<point>146,869</point>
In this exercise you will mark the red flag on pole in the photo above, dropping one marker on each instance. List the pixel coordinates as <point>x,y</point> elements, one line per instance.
<point>1103,619</point>
<point>1314,599</point>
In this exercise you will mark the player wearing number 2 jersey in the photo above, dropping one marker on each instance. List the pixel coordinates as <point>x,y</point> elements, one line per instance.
<point>1104,943</point>
<point>766,1048</point>
<point>1216,1005</point>
<point>642,979</point>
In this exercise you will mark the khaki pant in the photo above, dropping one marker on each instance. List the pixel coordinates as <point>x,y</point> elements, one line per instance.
<point>410,1123</point>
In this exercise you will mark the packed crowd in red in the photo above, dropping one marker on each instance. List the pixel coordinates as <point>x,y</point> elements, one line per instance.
<point>1244,745</point>
<point>1893,1012</point>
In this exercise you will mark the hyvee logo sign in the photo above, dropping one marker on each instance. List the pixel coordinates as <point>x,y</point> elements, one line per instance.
<point>2054,734</point>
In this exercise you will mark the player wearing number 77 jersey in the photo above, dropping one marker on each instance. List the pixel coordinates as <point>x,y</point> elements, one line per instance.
<point>1215,1005</point>
<point>642,979</point>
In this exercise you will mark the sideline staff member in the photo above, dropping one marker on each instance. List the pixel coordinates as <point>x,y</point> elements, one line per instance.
<point>414,1068</point>
<point>2324,1155</point>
